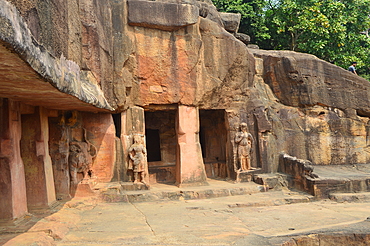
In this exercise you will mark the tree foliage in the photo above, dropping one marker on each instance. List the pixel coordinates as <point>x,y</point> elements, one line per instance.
<point>333,30</point>
<point>253,14</point>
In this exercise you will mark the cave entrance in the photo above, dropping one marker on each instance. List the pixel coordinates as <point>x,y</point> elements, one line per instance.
<point>161,144</point>
<point>154,148</point>
<point>213,138</point>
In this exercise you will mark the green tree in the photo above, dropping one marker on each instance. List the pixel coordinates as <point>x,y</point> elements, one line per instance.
<point>333,30</point>
<point>252,12</point>
<point>330,30</point>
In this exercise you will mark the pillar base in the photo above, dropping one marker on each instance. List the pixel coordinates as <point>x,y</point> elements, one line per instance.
<point>85,188</point>
<point>246,176</point>
<point>16,222</point>
<point>192,184</point>
<point>130,186</point>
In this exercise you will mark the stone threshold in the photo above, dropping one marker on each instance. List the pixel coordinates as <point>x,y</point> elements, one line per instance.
<point>114,192</point>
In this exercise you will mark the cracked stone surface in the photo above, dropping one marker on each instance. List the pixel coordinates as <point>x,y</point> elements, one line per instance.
<point>265,219</point>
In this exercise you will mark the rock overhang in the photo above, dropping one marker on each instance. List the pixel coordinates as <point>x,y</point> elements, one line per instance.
<point>34,76</point>
<point>18,81</point>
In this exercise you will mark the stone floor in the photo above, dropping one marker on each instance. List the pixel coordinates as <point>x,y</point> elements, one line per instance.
<point>359,171</point>
<point>254,218</point>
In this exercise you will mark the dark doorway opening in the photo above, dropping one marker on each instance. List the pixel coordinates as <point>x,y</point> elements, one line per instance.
<point>213,138</point>
<point>117,124</point>
<point>202,140</point>
<point>161,144</point>
<point>154,148</point>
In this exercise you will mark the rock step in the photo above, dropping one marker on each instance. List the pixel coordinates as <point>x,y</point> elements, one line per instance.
<point>275,201</point>
<point>247,194</point>
<point>350,197</point>
<point>114,192</point>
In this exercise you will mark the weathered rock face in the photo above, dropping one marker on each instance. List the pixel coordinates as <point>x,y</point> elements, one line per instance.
<point>185,66</point>
<point>114,55</point>
<point>92,51</point>
<point>42,49</point>
<point>320,110</point>
<point>302,80</point>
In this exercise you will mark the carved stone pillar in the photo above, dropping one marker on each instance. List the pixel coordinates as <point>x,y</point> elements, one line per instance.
<point>189,167</point>
<point>35,154</point>
<point>13,202</point>
<point>133,123</point>
<point>59,151</point>
<point>43,150</point>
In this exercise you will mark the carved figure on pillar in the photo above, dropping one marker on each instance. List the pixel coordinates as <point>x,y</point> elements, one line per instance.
<point>244,141</point>
<point>80,160</point>
<point>138,160</point>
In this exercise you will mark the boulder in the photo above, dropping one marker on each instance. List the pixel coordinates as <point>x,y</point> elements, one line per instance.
<point>161,15</point>
<point>209,11</point>
<point>253,46</point>
<point>301,80</point>
<point>243,37</point>
<point>231,21</point>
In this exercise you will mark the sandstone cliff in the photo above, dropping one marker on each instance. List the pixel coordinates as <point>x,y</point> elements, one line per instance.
<point>118,54</point>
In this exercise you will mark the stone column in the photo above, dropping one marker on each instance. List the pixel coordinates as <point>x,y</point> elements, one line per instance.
<point>189,164</point>
<point>13,201</point>
<point>231,122</point>
<point>35,154</point>
<point>42,149</point>
<point>133,123</point>
<point>59,152</point>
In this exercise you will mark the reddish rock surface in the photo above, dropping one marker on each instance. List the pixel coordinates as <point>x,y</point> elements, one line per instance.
<point>101,133</point>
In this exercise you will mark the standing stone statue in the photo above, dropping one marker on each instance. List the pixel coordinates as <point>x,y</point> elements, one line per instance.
<point>80,160</point>
<point>244,141</point>
<point>137,153</point>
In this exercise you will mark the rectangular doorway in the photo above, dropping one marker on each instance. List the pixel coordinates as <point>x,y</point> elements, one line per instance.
<point>213,138</point>
<point>161,144</point>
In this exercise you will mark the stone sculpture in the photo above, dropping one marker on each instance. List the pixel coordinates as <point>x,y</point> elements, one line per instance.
<point>80,161</point>
<point>138,160</point>
<point>244,141</point>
